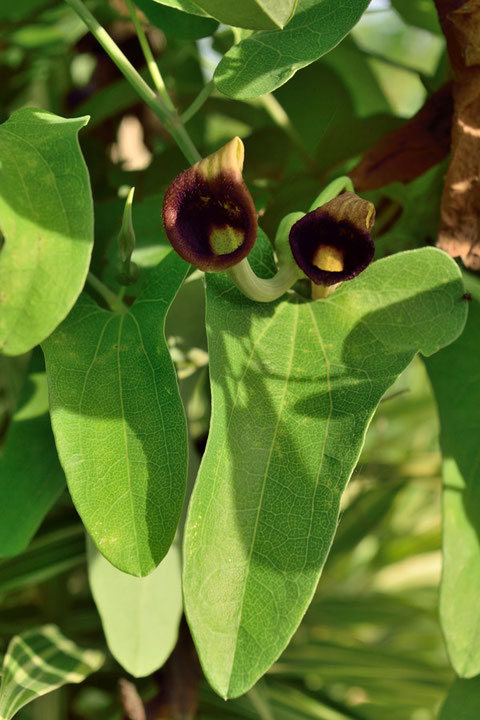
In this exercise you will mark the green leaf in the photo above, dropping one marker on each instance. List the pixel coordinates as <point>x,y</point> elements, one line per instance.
<point>12,376</point>
<point>294,386</point>
<point>462,701</point>
<point>46,217</point>
<point>253,14</point>
<point>119,423</point>
<point>454,376</point>
<point>420,13</point>
<point>176,23</point>
<point>31,478</point>
<point>264,61</point>
<point>151,609</point>
<point>20,9</point>
<point>185,5</point>
<point>39,661</point>
<point>48,556</point>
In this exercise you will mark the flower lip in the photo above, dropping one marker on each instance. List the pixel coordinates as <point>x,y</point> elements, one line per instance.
<point>208,212</point>
<point>343,225</point>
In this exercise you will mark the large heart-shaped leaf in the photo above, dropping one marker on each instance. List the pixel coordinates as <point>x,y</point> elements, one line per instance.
<point>295,385</point>
<point>264,61</point>
<point>46,218</point>
<point>39,661</point>
<point>253,14</point>
<point>150,607</point>
<point>119,423</point>
<point>455,378</point>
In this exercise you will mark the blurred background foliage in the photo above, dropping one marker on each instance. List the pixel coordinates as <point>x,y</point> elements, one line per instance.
<point>370,645</point>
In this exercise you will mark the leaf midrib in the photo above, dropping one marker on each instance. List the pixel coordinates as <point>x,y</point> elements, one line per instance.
<point>264,483</point>
<point>327,427</point>
<point>232,412</point>
<point>125,438</point>
<point>109,318</point>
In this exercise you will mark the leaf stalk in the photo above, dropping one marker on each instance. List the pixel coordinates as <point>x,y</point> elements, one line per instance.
<point>147,52</point>
<point>168,117</point>
<point>263,289</point>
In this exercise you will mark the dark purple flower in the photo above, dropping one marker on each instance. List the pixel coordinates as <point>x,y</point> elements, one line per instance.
<point>333,242</point>
<point>208,212</point>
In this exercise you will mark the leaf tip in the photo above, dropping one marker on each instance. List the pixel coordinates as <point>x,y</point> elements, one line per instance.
<point>84,119</point>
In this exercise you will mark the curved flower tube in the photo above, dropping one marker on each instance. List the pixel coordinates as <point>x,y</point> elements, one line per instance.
<point>333,243</point>
<point>208,212</point>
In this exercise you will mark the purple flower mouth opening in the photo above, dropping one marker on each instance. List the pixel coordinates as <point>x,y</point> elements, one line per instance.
<point>208,212</point>
<point>332,243</point>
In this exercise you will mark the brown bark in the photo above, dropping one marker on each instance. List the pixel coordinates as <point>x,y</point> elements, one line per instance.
<point>460,212</point>
<point>412,149</point>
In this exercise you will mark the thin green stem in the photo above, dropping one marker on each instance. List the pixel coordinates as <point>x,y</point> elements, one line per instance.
<point>170,119</point>
<point>202,96</point>
<point>320,292</point>
<point>113,301</point>
<point>262,289</point>
<point>126,236</point>
<point>128,271</point>
<point>147,52</point>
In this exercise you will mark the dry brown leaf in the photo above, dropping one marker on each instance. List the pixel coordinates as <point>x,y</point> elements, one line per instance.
<point>411,150</point>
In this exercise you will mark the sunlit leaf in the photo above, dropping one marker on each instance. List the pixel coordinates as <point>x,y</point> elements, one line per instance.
<point>149,607</point>
<point>295,385</point>
<point>46,218</point>
<point>265,60</point>
<point>119,423</point>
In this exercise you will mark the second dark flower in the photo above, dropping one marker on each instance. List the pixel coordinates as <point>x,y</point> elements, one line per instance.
<point>333,243</point>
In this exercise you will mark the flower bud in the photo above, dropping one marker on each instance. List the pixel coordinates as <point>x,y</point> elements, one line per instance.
<point>208,212</point>
<point>333,243</point>
<point>126,236</point>
<point>127,271</point>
